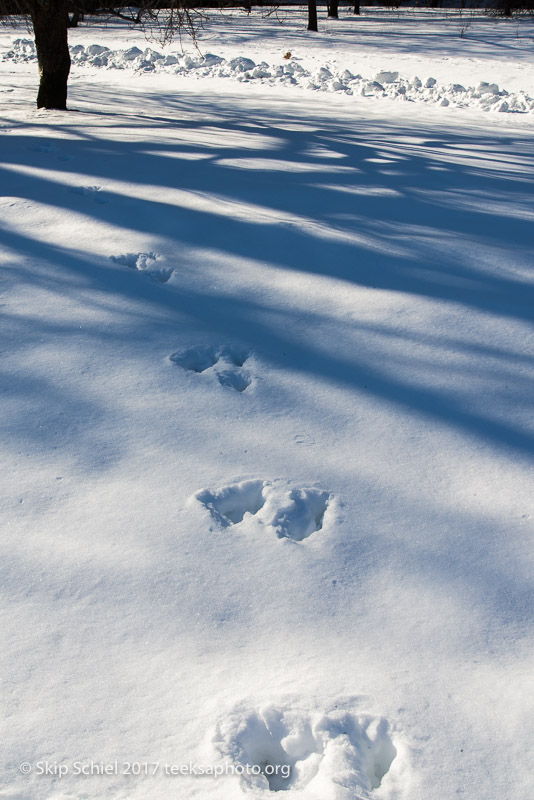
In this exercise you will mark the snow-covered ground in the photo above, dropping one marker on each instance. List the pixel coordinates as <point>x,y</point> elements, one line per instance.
<point>267,415</point>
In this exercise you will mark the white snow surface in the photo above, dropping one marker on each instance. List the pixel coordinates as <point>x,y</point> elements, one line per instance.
<point>266,410</point>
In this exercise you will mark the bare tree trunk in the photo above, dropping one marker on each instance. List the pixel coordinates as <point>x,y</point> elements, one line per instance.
<point>50,21</point>
<point>356,6</point>
<point>75,18</point>
<point>312,15</point>
<point>333,6</point>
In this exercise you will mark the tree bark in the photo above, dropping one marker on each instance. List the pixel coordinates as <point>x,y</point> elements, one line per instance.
<point>50,22</point>
<point>333,6</point>
<point>312,15</point>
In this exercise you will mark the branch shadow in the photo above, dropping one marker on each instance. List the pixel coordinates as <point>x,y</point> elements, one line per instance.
<point>307,196</point>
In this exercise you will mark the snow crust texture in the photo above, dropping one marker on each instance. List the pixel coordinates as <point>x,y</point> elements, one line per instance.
<point>292,514</point>
<point>388,84</point>
<point>335,755</point>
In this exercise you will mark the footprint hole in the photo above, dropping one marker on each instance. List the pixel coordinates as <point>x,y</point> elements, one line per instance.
<point>195,359</point>
<point>234,380</point>
<point>231,503</point>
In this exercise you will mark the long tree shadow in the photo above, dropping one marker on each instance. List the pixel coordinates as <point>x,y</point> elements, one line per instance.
<point>305,196</point>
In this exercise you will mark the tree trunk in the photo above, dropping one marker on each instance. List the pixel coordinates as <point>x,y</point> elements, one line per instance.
<point>333,6</point>
<point>312,15</point>
<point>75,18</point>
<point>356,6</point>
<point>50,21</point>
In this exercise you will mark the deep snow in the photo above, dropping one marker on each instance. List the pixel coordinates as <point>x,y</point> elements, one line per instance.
<point>267,424</point>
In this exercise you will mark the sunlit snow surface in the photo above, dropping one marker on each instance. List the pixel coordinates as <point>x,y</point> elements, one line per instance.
<point>267,430</point>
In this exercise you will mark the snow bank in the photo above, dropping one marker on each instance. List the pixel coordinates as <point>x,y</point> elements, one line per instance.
<point>384,84</point>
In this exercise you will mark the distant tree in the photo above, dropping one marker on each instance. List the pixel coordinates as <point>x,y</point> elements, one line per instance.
<point>50,21</point>
<point>312,15</point>
<point>356,6</point>
<point>507,7</point>
<point>333,8</point>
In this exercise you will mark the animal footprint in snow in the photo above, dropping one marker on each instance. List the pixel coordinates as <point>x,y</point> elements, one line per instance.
<point>195,359</point>
<point>337,754</point>
<point>304,439</point>
<point>230,504</point>
<point>302,515</point>
<point>294,514</point>
<point>229,369</point>
<point>235,379</point>
<point>227,363</point>
<point>145,262</point>
<point>93,192</point>
<point>43,147</point>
